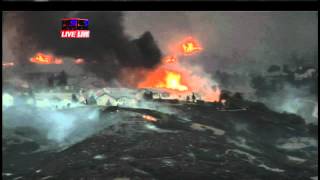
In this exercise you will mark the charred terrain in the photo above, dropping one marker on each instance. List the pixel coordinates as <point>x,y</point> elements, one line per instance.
<point>195,141</point>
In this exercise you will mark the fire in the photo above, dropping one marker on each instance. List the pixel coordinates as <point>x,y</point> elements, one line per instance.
<point>162,78</point>
<point>173,81</point>
<point>170,59</point>
<point>41,58</point>
<point>180,79</point>
<point>190,46</point>
<point>9,64</point>
<point>79,61</point>
<point>149,118</point>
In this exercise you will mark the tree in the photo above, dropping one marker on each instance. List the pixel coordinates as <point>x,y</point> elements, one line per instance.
<point>193,97</point>
<point>238,96</point>
<point>148,95</point>
<point>74,98</point>
<point>260,84</point>
<point>274,68</point>
<point>63,79</point>
<point>50,81</point>
<point>224,95</point>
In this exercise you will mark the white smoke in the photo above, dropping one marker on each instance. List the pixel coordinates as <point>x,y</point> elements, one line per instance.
<point>63,121</point>
<point>57,124</point>
<point>294,100</point>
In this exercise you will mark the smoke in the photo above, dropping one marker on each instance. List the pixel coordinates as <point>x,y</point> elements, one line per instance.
<point>291,99</point>
<point>110,49</point>
<point>57,125</point>
<point>235,41</point>
<point>63,121</point>
<point>198,80</point>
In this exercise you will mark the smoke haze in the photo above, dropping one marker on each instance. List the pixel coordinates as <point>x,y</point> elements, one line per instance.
<point>31,32</point>
<point>245,40</point>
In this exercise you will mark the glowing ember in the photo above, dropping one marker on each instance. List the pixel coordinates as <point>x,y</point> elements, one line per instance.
<point>41,58</point>
<point>190,46</point>
<point>162,78</point>
<point>149,118</point>
<point>9,64</point>
<point>79,61</point>
<point>170,59</point>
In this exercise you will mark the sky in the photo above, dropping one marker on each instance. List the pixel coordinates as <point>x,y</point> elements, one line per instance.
<point>234,38</point>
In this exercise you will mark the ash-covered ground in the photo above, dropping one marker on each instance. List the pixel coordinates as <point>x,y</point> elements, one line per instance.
<point>191,141</point>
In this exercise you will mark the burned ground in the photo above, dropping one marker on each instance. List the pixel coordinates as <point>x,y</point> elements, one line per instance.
<point>197,142</point>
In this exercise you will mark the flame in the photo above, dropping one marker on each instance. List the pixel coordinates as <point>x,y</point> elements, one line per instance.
<point>163,78</point>
<point>179,80</point>
<point>41,58</point>
<point>79,61</point>
<point>149,118</point>
<point>9,64</point>
<point>190,46</point>
<point>173,81</point>
<point>170,59</point>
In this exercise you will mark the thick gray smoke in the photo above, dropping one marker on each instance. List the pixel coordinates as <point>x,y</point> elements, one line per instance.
<point>109,47</point>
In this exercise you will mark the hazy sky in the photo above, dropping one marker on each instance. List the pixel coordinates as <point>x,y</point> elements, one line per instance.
<point>235,37</point>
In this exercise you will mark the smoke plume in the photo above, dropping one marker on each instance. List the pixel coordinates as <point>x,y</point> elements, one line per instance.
<point>108,47</point>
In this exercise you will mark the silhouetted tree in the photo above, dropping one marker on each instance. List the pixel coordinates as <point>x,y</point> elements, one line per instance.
<point>74,98</point>
<point>224,95</point>
<point>238,96</point>
<point>63,79</point>
<point>50,81</point>
<point>193,98</point>
<point>148,95</point>
<point>260,85</point>
<point>274,68</point>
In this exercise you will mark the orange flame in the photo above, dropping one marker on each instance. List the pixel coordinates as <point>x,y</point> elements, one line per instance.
<point>9,64</point>
<point>149,118</point>
<point>170,59</point>
<point>180,80</point>
<point>190,46</point>
<point>41,58</point>
<point>173,81</point>
<point>162,78</point>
